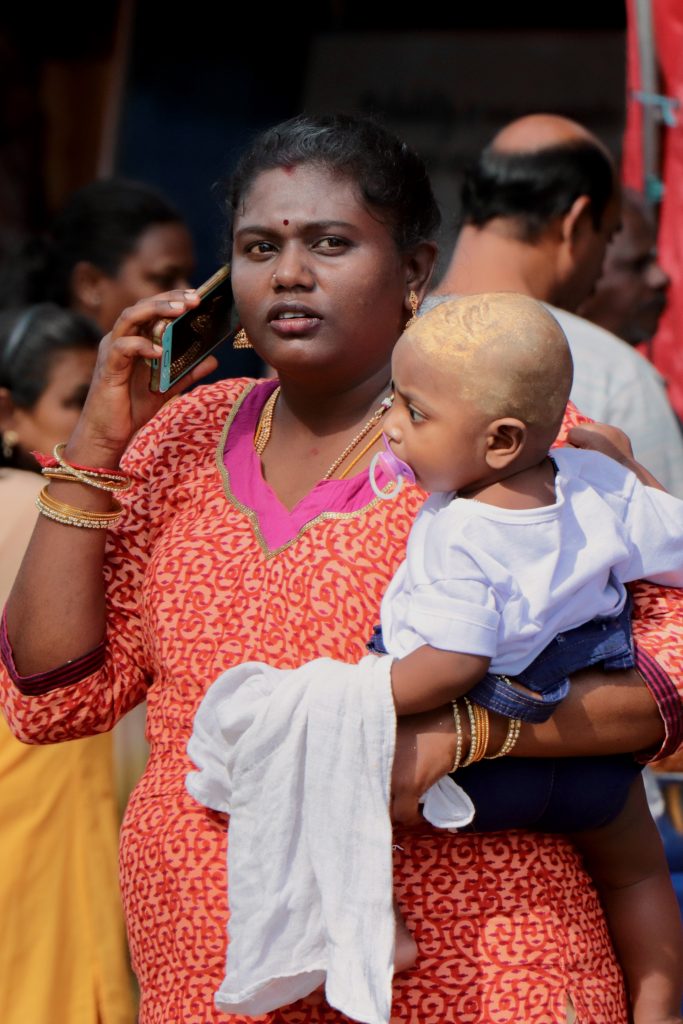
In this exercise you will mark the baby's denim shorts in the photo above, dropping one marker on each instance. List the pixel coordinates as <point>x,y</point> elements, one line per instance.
<point>601,641</point>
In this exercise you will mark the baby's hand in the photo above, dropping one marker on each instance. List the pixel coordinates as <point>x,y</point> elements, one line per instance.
<point>601,437</point>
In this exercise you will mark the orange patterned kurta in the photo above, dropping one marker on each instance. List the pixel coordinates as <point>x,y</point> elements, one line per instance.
<point>507,924</point>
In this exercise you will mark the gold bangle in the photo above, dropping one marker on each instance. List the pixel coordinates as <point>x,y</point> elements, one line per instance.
<point>458,736</point>
<point>479,732</point>
<point>484,732</point>
<point>69,515</point>
<point>511,737</point>
<point>482,717</point>
<point>113,481</point>
<point>473,733</point>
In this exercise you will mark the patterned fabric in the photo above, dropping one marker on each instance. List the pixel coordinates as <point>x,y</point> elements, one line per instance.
<point>509,926</point>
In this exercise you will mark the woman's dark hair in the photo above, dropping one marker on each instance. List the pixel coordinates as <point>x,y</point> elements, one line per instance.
<point>533,188</point>
<point>32,340</point>
<point>100,223</point>
<point>391,178</point>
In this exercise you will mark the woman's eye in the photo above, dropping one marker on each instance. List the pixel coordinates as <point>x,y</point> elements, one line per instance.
<point>260,248</point>
<point>415,416</point>
<point>163,282</point>
<point>331,242</point>
<point>77,399</point>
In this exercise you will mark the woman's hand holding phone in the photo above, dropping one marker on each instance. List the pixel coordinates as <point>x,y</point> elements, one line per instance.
<point>119,400</point>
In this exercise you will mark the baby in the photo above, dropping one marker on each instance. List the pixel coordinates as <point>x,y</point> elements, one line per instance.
<point>518,557</point>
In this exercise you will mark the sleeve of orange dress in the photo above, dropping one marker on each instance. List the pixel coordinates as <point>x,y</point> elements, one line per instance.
<point>90,694</point>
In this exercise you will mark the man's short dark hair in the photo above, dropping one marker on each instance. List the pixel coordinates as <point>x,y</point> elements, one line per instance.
<point>534,188</point>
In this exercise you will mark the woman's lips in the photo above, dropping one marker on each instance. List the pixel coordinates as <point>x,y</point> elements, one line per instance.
<point>294,326</point>
<point>290,319</point>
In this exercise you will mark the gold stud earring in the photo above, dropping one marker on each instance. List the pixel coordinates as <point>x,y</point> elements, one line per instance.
<point>414,303</point>
<point>241,339</point>
<point>10,440</point>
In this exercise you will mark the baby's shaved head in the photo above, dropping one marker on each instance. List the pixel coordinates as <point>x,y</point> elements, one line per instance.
<point>505,352</point>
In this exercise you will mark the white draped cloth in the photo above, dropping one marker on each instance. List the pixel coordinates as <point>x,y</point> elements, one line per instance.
<point>301,760</point>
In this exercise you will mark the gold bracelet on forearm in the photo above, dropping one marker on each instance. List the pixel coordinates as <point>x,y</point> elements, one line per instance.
<point>512,735</point>
<point>473,733</point>
<point>69,515</point>
<point>57,468</point>
<point>479,732</point>
<point>458,736</point>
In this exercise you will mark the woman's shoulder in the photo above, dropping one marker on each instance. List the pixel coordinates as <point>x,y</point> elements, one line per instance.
<point>205,404</point>
<point>19,490</point>
<point>188,422</point>
<point>18,484</point>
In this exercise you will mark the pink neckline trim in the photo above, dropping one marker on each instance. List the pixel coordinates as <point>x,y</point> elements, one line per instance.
<point>278,525</point>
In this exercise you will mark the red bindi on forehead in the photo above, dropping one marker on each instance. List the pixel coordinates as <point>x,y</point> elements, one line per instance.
<point>285,222</point>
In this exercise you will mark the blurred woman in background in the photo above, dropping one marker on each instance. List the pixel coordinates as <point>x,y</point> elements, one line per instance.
<point>62,946</point>
<point>113,243</point>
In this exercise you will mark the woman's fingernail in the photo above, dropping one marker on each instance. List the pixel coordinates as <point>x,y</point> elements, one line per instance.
<point>177,305</point>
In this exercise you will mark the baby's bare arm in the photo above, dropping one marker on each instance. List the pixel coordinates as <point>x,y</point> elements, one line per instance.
<point>627,862</point>
<point>427,678</point>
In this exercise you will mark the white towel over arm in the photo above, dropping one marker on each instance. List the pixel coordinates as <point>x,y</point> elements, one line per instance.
<point>302,761</point>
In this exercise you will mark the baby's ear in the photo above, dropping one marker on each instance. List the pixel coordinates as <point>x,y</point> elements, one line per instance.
<point>505,441</point>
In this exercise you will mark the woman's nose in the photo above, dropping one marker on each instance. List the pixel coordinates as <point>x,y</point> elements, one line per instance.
<point>292,269</point>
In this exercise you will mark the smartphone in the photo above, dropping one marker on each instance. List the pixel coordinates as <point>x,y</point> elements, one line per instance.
<point>190,337</point>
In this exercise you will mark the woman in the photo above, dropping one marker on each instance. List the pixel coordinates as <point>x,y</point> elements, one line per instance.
<point>62,949</point>
<point>251,532</point>
<point>113,242</point>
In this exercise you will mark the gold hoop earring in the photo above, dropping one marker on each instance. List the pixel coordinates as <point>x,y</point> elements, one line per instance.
<point>414,303</point>
<point>10,440</point>
<point>241,339</point>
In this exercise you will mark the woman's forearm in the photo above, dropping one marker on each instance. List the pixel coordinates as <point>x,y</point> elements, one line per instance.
<point>604,713</point>
<point>56,610</point>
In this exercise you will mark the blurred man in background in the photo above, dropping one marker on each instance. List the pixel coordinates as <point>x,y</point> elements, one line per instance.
<point>630,295</point>
<point>539,208</point>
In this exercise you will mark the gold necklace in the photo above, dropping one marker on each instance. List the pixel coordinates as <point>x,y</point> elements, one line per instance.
<point>265,422</point>
<point>265,427</point>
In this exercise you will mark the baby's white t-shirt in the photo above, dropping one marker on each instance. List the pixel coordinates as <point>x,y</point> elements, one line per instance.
<point>502,583</point>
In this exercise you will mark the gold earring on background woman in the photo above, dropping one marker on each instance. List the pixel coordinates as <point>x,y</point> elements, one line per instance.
<point>10,439</point>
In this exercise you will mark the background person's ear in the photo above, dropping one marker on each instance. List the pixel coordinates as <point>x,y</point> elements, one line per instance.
<point>577,220</point>
<point>9,438</point>
<point>6,410</point>
<point>86,287</point>
<point>505,441</point>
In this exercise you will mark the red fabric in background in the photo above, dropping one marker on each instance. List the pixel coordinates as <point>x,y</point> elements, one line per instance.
<point>666,348</point>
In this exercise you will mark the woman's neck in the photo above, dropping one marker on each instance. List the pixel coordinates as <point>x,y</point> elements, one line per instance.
<point>330,410</point>
<point>309,433</point>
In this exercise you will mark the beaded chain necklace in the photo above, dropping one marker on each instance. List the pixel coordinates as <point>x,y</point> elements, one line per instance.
<point>265,426</point>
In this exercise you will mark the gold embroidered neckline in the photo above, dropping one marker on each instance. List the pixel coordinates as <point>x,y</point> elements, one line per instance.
<point>249,512</point>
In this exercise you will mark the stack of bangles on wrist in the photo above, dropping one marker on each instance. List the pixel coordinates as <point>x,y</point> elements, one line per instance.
<point>479,735</point>
<point>57,468</point>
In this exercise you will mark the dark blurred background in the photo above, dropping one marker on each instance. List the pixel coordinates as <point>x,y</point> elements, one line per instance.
<point>170,99</point>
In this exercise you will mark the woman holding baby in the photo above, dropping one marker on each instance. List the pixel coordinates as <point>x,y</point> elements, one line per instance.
<point>250,532</point>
